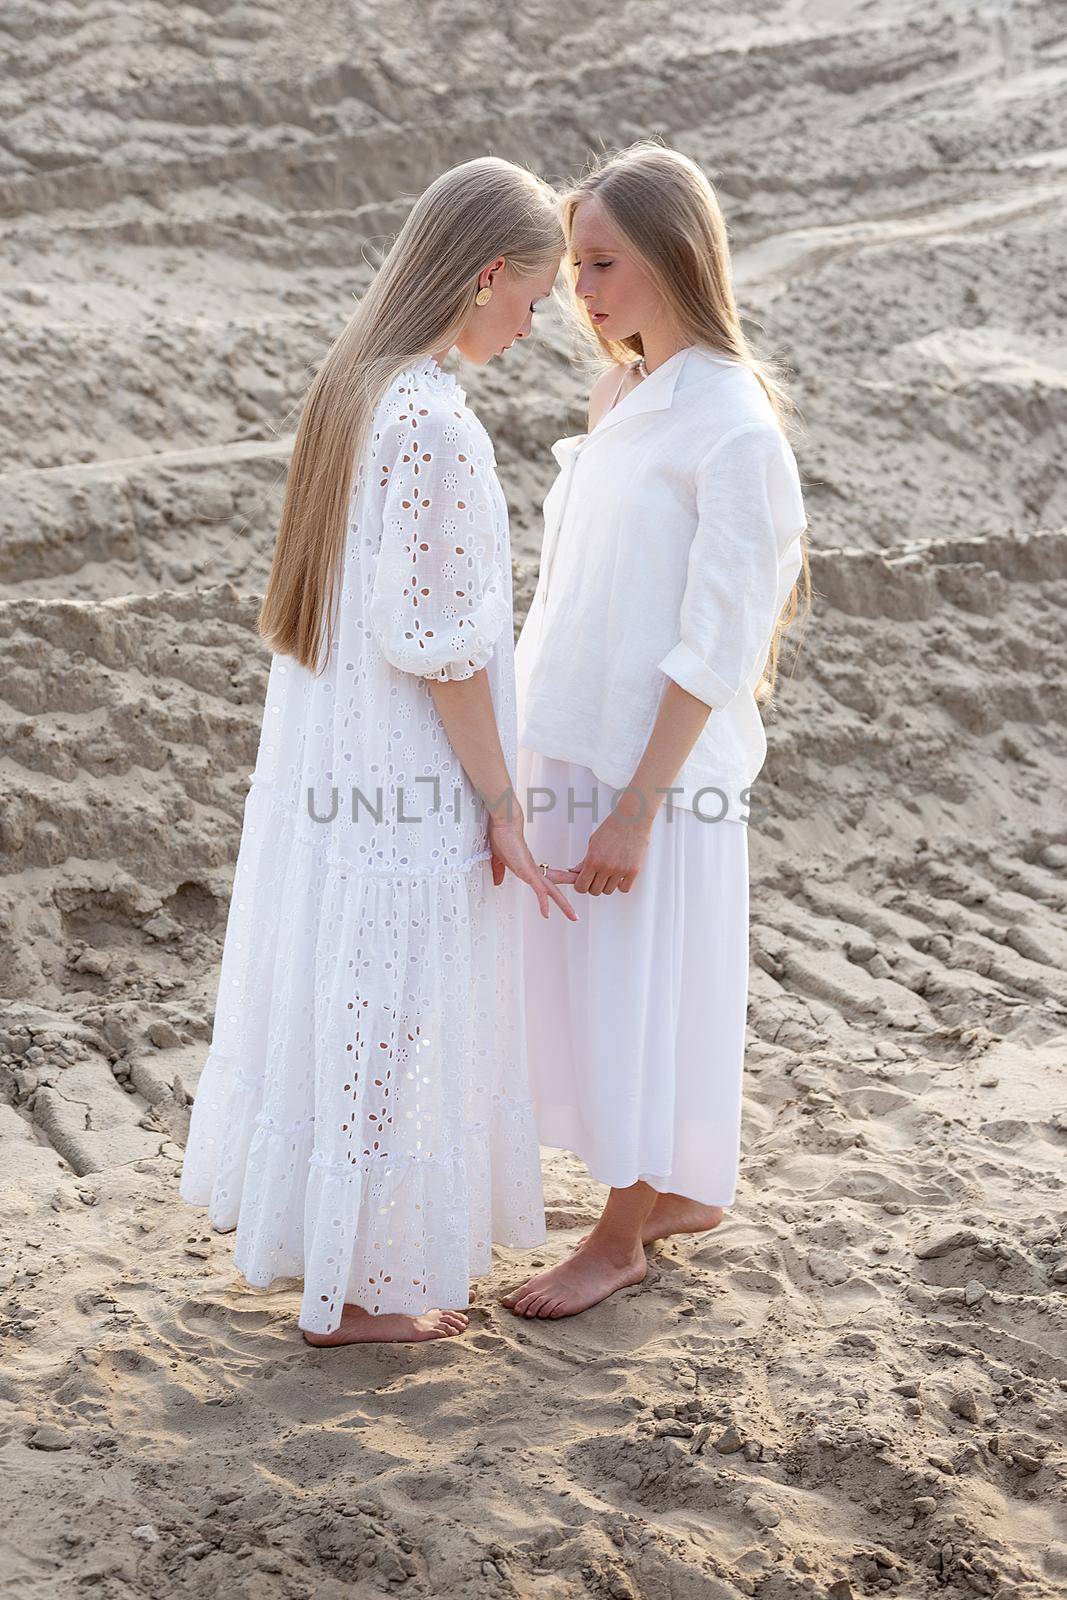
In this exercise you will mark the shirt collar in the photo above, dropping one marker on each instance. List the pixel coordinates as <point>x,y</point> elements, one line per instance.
<point>427,370</point>
<point>654,393</point>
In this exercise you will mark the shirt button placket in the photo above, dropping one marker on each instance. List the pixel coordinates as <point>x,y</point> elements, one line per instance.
<point>572,459</point>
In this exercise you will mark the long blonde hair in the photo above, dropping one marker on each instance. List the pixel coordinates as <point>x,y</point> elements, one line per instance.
<point>669,214</point>
<point>417,303</point>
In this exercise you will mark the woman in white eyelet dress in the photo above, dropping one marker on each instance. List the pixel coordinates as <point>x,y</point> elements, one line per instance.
<point>363,1118</point>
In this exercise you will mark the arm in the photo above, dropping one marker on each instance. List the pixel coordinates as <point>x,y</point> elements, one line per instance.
<point>438,608</point>
<point>465,706</point>
<point>749,511</point>
<point>617,847</point>
<point>437,604</point>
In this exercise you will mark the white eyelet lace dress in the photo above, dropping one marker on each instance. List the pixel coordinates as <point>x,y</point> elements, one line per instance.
<point>363,1116</point>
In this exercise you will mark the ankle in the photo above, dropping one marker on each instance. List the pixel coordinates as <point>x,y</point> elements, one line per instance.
<point>618,1250</point>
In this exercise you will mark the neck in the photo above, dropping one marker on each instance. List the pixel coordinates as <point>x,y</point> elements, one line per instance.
<point>659,345</point>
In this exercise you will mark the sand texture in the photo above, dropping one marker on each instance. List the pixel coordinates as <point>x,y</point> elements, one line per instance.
<point>858,1383</point>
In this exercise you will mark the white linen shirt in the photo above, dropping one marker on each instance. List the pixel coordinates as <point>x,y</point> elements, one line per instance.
<point>671,543</point>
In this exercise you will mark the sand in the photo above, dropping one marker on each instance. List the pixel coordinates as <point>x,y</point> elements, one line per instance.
<point>858,1383</point>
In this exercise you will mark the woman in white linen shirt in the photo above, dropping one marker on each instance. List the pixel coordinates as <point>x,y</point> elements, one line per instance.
<point>673,542</point>
<point>363,1117</point>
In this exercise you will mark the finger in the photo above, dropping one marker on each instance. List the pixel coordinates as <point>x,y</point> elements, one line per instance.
<point>584,878</point>
<point>540,888</point>
<point>564,904</point>
<point>539,884</point>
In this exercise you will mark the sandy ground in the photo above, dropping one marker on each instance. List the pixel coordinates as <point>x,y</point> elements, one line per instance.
<point>859,1382</point>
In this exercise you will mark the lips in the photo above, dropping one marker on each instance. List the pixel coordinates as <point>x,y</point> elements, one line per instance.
<point>598,316</point>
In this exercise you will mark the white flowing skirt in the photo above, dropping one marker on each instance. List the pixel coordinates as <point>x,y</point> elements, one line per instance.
<point>363,1117</point>
<point>635,1015</point>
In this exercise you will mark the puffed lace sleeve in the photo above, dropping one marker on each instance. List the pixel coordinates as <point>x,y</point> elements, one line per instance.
<point>438,603</point>
<point>743,562</point>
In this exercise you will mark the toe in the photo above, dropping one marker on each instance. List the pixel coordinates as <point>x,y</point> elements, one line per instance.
<point>522,1298</point>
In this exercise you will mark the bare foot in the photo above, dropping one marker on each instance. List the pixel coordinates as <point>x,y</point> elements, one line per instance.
<point>363,1327</point>
<point>673,1213</point>
<point>583,1280</point>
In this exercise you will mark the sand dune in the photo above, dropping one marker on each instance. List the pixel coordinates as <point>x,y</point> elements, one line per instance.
<point>857,1383</point>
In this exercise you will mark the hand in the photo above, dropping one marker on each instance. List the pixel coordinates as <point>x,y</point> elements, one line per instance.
<point>613,857</point>
<point>510,850</point>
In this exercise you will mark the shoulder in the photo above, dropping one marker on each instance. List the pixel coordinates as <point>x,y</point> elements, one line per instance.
<point>752,464</point>
<point>415,410</point>
<point>413,396</point>
<point>726,388</point>
<point>603,392</point>
<point>725,403</point>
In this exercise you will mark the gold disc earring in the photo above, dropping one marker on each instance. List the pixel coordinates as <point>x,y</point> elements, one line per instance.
<point>483,296</point>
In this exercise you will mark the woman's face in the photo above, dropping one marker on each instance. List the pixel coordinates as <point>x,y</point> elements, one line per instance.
<point>615,290</point>
<point>493,328</point>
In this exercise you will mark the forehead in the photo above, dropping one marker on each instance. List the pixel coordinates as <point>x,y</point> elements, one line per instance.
<point>592,227</point>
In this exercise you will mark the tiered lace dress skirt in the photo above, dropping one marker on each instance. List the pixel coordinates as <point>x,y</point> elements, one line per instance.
<point>363,1118</point>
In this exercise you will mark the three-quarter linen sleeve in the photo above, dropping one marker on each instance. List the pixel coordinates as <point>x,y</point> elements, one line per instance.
<point>438,602</point>
<point>749,512</point>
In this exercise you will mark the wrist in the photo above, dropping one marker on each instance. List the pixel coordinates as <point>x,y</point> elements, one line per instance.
<point>505,811</point>
<point>636,807</point>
